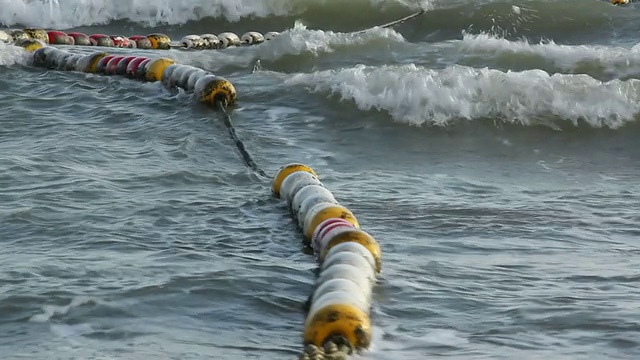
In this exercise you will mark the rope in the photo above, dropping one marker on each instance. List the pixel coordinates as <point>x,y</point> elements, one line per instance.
<point>338,350</point>
<point>239,144</point>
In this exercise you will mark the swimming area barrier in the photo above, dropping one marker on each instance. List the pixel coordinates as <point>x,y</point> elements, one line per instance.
<point>204,85</point>
<point>349,259</point>
<point>338,311</point>
<point>155,41</point>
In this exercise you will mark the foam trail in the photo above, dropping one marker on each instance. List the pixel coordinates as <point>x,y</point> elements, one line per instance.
<point>416,95</point>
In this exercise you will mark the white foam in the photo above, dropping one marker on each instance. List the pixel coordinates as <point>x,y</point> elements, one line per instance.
<point>390,343</point>
<point>64,14</point>
<point>417,95</point>
<point>50,311</point>
<point>67,331</point>
<point>10,55</point>
<point>564,57</point>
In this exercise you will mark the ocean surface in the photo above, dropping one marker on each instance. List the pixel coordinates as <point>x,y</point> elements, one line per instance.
<point>491,147</point>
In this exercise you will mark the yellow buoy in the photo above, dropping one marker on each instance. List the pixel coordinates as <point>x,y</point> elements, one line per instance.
<point>285,171</point>
<point>210,89</point>
<point>37,34</point>
<point>346,321</point>
<point>329,212</point>
<point>160,41</point>
<point>358,236</point>
<point>89,63</point>
<point>30,45</point>
<point>156,67</point>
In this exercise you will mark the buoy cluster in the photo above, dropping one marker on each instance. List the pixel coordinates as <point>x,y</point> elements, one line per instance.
<point>205,86</point>
<point>152,41</point>
<point>349,260</point>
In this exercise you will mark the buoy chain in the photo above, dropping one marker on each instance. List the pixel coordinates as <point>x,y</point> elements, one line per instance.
<point>330,351</point>
<point>156,41</point>
<point>221,104</point>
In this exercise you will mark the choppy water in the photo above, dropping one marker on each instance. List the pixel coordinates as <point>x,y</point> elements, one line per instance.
<point>490,146</point>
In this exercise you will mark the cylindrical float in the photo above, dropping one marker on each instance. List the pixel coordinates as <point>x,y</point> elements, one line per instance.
<point>290,185</point>
<point>339,284</point>
<point>89,63</point>
<point>271,35</point>
<point>358,236</point>
<point>305,193</point>
<point>252,38</point>
<point>325,228</point>
<point>159,41</point>
<point>37,34</point>
<point>338,323</point>
<point>228,39</point>
<point>30,45</point>
<point>191,42</point>
<point>320,213</point>
<point>71,62</point>
<point>310,203</point>
<point>60,60</point>
<point>57,37</point>
<point>183,80</point>
<point>121,68</point>
<point>142,42</point>
<point>194,77</point>
<point>102,64</point>
<point>178,75</point>
<point>285,171</point>
<point>351,258</point>
<point>81,39</point>
<point>101,40</point>
<point>120,41</point>
<point>141,70</point>
<point>353,248</point>
<point>211,89</point>
<point>41,56</point>
<point>349,272</point>
<point>132,68</point>
<point>167,76</point>
<point>210,41</point>
<point>112,65</point>
<point>156,67</point>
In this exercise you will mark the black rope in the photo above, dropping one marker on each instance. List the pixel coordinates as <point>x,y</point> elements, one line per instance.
<point>239,144</point>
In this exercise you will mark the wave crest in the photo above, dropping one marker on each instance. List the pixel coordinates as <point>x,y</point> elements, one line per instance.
<point>416,95</point>
<point>64,14</point>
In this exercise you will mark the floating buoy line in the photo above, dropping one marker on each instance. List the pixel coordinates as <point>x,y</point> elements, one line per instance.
<point>337,321</point>
<point>155,41</point>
